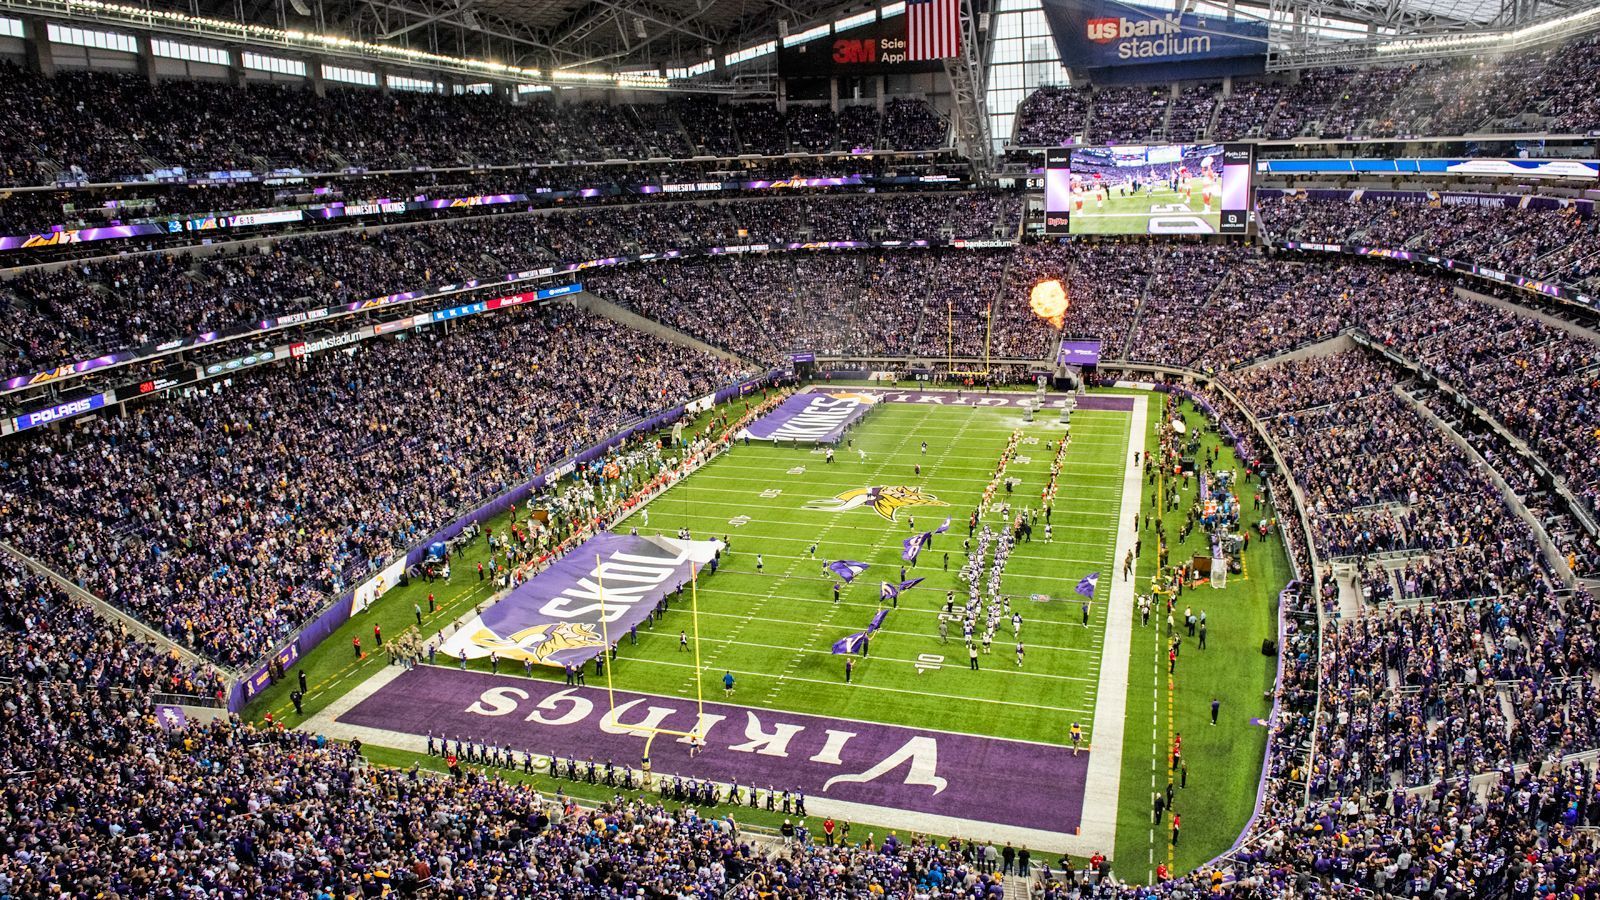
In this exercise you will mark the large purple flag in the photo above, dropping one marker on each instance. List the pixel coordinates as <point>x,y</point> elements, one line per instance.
<point>850,643</point>
<point>943,528</point>
<point>847,569</point>
<point>911,547</point>
<point>877,620</point>
<point>555,617</point>
<point>1087,585</point>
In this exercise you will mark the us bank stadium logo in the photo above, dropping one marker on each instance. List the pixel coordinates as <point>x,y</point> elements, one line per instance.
<point>540,641</point>
<point>886,501</point>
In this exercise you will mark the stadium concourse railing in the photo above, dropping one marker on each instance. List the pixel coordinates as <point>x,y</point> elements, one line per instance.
<point>341,608</point>
<point>1303,572</point>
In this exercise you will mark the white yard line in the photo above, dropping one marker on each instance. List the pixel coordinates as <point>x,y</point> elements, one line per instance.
<point>1103,785</point>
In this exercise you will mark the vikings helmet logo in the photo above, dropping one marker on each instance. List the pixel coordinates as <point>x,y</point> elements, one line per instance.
<point>885,501</point>
<point>540,642</point>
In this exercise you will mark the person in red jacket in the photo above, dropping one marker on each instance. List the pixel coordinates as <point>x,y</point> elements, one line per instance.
<point>827,831</point>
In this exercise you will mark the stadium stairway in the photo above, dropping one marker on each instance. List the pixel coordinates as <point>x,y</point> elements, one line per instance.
<point>603,307</point>
<point>1018,887</point>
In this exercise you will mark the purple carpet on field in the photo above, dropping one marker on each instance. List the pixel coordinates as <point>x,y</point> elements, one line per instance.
<point>978,399</point>
<point>965,776</point>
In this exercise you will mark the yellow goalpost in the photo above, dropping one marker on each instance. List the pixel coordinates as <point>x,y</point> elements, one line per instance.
<point>652,732</point>
<point>950,340</point>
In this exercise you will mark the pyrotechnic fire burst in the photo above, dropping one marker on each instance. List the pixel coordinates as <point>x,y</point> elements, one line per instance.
<point>1048,300</point>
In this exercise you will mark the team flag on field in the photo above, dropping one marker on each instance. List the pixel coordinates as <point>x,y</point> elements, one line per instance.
<point>853,643</point>
<point>912,546</point>
<point>850,643</point>
<point>1087,585</point>
<point>943,528</point>
<point>847,569</point>
<point>890,591</point>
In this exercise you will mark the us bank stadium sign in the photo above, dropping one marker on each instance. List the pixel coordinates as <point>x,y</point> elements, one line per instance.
<point>1097,34</point>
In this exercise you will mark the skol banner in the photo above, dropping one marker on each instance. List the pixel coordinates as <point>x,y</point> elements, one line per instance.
<point>555,618</point>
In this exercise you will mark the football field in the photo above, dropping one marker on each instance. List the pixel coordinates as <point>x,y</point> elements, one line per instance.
<point>916,740</point>
<point>1160,212</point>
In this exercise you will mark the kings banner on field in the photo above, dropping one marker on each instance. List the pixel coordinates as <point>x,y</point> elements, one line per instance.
<point>555,617</point>
<point>819,417</point>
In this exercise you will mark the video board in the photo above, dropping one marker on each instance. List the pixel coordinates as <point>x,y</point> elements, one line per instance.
<point>1138,189</point>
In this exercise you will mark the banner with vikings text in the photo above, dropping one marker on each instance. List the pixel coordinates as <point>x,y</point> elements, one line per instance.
<point>820,417</point>
<point>555,618</point>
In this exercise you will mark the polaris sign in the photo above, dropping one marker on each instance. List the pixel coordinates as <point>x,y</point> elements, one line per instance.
<point>1113,40</point>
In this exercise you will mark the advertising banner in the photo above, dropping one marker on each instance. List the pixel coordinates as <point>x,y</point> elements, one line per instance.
<point>61,411</point>
<point>1574,169</point>
<point>555,618</point>
<point>1078,353</point>
<point>880,47</point>
<point>820,417</point>
<point>1103,34</point>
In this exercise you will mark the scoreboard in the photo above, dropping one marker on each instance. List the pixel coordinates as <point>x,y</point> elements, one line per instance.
<point>1136,189</point>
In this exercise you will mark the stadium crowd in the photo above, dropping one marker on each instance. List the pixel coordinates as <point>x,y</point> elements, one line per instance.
<point>303,465</point>
<point>1548,89</point>
<point>206,126</point>
<point>58,315</point>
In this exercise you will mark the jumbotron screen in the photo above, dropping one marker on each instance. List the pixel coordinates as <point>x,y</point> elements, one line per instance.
<point>1167,189</point>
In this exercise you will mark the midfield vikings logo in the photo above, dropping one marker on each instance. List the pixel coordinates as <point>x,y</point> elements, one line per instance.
<point>885,501</point>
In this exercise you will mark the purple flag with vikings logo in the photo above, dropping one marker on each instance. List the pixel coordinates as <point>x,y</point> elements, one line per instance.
<point>912,546</point>
<point>847,569</point>
<point>943,528</point>
<point>850,643</point>
<point>1087,585</point>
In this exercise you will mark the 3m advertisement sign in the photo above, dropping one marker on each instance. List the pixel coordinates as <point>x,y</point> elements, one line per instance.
<point>876,48</point>
<point>1096,34</point>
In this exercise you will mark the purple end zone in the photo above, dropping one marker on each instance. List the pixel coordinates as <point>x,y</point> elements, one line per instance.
<point>980,400</point>
<point>963,776</point>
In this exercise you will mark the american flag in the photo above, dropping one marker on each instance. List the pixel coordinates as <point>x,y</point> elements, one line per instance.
<point>933,29</point>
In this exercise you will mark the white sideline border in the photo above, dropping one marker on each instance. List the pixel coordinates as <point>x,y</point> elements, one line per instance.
<point>1103,784</point>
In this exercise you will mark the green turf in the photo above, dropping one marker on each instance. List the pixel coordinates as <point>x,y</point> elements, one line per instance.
<point>773,629</point>
<point>1224,761</point>
<point>1131,215</point>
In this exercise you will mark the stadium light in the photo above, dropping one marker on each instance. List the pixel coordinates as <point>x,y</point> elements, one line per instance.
<point>139,16</point>
<point>1512,39</point>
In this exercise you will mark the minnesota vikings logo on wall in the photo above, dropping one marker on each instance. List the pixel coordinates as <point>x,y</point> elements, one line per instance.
<point>539,642</point>
<point>885,500</point>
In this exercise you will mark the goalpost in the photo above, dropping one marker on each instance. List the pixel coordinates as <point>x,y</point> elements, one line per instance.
<point>651,732</point>
<point>950,340</point>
